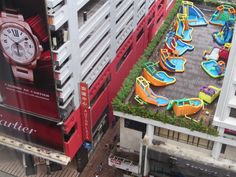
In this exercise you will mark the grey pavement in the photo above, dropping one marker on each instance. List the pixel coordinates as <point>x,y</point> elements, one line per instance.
<point>3,174</point>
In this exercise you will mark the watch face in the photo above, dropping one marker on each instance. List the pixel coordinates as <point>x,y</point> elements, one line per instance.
<point>17,43</point>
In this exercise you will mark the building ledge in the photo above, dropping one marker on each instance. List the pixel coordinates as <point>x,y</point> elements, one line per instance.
<point>176,128</point>
<point>229,123</point>
<point>232,102</point>
<point>34,150</point>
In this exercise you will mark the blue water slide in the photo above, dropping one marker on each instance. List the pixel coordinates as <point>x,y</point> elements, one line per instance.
<point>169,63</point>
<point>227,34</point>
<point>188,34</point>
<point>183,47</point>
<point>162,101</point>
<point>157,76</point>
<point>199,12</point>
<point>196,17</point>
<point>180,29</point>
<point>179,64</point>
<point>165,77</point>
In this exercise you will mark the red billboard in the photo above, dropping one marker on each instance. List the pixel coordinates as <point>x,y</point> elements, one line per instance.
<point>31,129</point>
<point>85,112</point>
<point>26,68</point>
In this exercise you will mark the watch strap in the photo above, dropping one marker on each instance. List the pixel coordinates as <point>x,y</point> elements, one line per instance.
<point>11,11</point>
<point>12,14</point>
<point>22,73</point>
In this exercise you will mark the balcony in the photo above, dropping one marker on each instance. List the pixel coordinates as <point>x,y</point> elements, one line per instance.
<point>88,11</point>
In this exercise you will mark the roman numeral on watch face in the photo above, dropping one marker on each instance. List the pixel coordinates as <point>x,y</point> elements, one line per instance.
<point>15,32</point>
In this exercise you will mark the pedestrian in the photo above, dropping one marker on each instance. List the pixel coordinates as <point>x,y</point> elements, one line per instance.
<point>115,138</point>
<point>100,166</point>
<point>111,146</point>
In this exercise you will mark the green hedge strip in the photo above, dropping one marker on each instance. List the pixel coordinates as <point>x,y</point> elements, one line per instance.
<point>142,111</point>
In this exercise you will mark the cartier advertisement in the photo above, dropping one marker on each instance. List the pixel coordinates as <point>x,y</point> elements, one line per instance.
<point>26,70</point>
<point>29,128</point>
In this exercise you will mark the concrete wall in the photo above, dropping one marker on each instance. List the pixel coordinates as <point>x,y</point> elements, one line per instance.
<point>129,139</point>
<point>230,153</point>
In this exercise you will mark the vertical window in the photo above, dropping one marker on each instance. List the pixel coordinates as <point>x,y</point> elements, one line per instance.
<point>127,52</point>
<point>100,91</point>
<point>159,19</point>
<point>140,34</point>
<point>223,148</point>
<point>151,17</point>
<point>232,112</point>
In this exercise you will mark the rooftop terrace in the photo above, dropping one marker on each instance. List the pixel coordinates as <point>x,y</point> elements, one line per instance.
<point>188,83</point>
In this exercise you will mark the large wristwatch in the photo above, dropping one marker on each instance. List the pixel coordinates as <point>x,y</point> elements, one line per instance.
<point>20,47</point>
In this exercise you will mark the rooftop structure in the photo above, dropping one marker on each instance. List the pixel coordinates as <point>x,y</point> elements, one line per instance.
<point>194,145</point>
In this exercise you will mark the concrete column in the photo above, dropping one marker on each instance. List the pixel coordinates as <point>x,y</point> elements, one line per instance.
<point>217,146</point>
<point>146,163</point>
<point>140,158</point>
<point>148,141</point>
<point>149,133</point>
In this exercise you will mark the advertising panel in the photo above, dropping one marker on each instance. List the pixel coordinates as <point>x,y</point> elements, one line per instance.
<point>26,68</point>
<point>85,112</point>
<point>31,129</point>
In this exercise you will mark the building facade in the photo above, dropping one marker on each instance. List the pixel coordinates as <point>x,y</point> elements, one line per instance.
<point>94,44</point>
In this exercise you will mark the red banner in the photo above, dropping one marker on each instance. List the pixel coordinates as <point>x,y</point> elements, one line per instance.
<point>26,68</point>
<point>85,112</point>
<point>31,129</point>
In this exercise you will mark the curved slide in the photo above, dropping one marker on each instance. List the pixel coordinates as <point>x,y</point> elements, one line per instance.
<point>183,32</point>
<point>185,106</point>
<point>183,47</point>
<point>225,35</point>
<point>180,29</point>
<point>172,64</point>
<point>157,78</point>
<point>195,15</point>
<point>143,90</point>
<point>176,46</point>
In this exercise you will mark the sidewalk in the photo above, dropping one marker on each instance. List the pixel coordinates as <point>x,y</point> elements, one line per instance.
<point>3,174</point>
<point>101,155</point>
